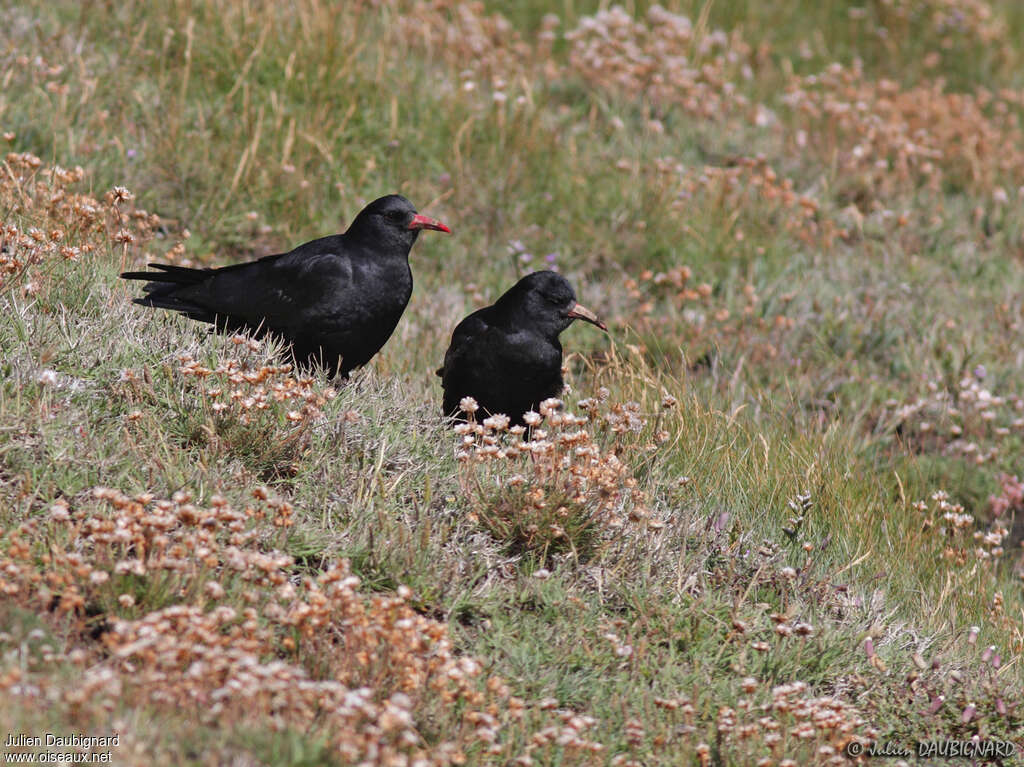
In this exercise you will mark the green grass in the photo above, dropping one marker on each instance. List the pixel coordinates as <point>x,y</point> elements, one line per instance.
<point>255,128</point>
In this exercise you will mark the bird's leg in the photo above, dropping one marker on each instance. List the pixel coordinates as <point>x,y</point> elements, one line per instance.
<point>337,374</point>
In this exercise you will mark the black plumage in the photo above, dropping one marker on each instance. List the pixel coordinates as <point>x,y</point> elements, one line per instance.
<point>336,300</point>
<point>507,356</point>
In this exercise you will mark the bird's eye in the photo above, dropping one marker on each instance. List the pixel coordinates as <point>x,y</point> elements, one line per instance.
<point>395,215</point>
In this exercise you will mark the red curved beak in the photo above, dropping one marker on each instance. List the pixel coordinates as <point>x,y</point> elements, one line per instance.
<point>425,222</point>
<point>580,312</point>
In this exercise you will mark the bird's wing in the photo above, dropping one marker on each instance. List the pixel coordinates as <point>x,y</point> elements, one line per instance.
<point>467,337</point>
<point>277,292</point>
<point>492,351</point>
<point>530,355</point>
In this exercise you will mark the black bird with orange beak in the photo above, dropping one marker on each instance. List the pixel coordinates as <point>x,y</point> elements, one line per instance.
<point>507,356</point>
<point>335,300</point>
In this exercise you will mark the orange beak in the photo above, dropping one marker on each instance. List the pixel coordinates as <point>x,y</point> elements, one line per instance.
<point>425,222</point>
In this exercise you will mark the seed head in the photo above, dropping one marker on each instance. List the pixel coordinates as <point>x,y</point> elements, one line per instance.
<point>531,418</point>
<point>497,422</point>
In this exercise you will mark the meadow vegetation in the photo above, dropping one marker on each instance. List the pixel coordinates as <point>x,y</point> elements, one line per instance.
<point>780,511</point>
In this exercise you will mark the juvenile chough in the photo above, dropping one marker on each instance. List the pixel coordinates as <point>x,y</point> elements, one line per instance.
<point>507,356</point>
<point>336,300</point>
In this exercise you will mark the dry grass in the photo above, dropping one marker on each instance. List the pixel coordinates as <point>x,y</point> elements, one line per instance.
<point>559,489</point>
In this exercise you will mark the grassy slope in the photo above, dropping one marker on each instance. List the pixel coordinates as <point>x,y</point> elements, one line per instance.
<point>255,129</point>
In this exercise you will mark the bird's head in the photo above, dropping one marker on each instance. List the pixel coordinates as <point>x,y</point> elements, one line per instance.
<point>546,301</point>
<point>391,220</point>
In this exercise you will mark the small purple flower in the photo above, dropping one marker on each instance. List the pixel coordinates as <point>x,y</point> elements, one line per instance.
<point>721,521</point>
<point>551,258</point>
<point>130,154</point>
<point>526,258</point>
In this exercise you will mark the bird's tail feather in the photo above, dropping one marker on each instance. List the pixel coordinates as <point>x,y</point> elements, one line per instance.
<point>158,301</point>
<point>169,274</point>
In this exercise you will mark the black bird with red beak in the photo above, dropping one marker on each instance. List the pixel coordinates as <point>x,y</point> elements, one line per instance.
<point>507,356</point>
<point>335,300</point>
